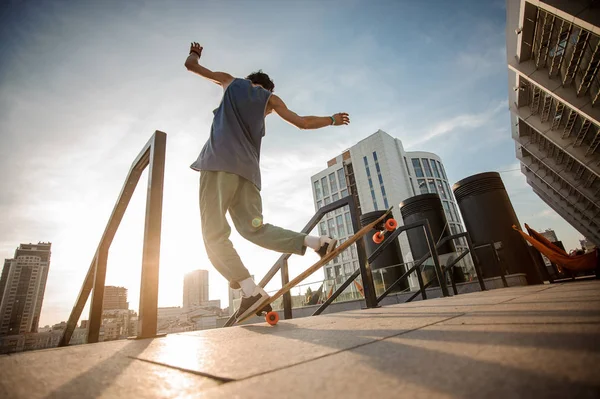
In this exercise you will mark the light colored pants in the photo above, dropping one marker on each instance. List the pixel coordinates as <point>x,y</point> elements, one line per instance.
<point>221,192</point>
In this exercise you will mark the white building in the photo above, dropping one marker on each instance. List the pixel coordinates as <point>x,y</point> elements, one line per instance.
<point>553,56</point>
<point>22,287</point>
<point>195,288</point>
<point>383,175</point>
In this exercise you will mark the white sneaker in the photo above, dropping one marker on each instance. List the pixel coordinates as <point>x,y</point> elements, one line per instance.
<point>328,244</point>
<point>250,304</point>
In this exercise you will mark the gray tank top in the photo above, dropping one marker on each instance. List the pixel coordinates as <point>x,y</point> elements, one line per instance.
<point>236,132</point>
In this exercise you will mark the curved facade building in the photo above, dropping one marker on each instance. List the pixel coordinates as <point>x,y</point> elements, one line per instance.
<point>381,174</point>
<point>553,55</point>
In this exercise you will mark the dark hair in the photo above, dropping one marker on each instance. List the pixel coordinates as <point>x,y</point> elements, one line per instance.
<point>261,78</point>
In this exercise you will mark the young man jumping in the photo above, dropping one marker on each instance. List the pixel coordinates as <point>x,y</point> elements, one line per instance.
<point>230,176</point>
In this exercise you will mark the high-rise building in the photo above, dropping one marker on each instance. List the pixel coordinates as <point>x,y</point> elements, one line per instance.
<point>381,174</point>
<point>549,235</point>
<point>553,56</point>
<point>22,287</point>
<point>115,298</point>
<point>195,288</point>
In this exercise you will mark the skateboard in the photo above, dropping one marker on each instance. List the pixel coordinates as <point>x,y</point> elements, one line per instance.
<point>273,317</point>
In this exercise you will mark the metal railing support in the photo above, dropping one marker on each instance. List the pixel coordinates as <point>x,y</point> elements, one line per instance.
<point>334,296</point>
<point>153,155</point>
<point>287,297</point>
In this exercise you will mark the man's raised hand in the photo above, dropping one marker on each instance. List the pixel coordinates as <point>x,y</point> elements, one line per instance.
<point>196,48</point>
<point>341,118</point>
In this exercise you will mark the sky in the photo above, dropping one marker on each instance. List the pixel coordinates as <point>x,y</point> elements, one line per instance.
<point>84,85</point>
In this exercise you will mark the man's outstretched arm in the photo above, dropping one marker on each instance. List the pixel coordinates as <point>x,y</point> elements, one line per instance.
<point>192,65</point>
<point>306,122</point>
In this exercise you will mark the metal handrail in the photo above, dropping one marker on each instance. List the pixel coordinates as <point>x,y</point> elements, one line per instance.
<point>152,156</point>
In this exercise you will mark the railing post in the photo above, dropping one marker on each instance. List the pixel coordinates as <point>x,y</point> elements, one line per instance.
<point>95,319</point>
<point>287,297</point>
<point>147,322</point>
<point>498,265</point>
<point>420,280</point>
<point>476,263</point>
<point>365,267</point>
<point>436,262</point>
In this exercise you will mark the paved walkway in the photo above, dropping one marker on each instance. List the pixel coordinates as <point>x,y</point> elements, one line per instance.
<point>530,342</point>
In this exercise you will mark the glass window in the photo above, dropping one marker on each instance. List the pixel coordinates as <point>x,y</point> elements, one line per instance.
<point>353,251</point>
<point>407,168</point>
<point>417,166</point>
<point>338,270</point>
<point>331,226</point>
<point>422,186</point>
<point>333,182</point>
<point>340,225</point>
<point>348,221</point>
<point>374,200</point>
<point>453,229</point>
<point>341,178</point>
<point>335,197</point>
<point>432,188</point>
<point>346,255</point>
<point>426,167</point>
<point>348,268</point>
<point>441,190</point>
<point>442,170</point>
<point>344,192</point>
<point>412,186</point>
<point>455,211</point>
<point>317,190</point>
<point>436,172</point>
<point>380,178</point>
<point>325,186</point>
<point>329,273</point>
<point>374,155</point>
<point>448,213</point>
<point>319,204</point>
<point>448,190</point>
<point>322,228</point>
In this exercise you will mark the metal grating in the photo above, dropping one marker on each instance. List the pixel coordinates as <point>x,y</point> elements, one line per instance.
<point>535,99</point>
<point>569,124</point>
<point>558,113</point>
<point>585,126</point>
<point>590,71</point>
<point>582,39</point>
<point>594,145</point>
<point>546,106</point>
<point>558,53</point>
<point>546,35</point>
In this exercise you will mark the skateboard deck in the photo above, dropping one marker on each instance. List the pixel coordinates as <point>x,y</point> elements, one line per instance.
<point>273,317</point>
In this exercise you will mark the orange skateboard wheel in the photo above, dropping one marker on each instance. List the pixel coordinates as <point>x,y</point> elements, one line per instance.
<point>272,318</point>
<point>391,225</point>
<point>378,237</point>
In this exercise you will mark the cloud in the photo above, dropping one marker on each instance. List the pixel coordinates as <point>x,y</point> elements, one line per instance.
<point>546,214</point>
<point>464,121</point>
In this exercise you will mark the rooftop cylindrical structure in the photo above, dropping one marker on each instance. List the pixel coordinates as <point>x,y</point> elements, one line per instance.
<point>421,207</point>
<point>426,207</point>
<point>489,217</point>
<point>392,255</point>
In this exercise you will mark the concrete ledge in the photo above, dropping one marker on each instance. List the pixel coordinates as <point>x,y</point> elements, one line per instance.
<point>528,341</point>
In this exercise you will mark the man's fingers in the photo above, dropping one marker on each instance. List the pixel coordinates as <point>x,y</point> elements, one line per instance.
<point>345,118</point>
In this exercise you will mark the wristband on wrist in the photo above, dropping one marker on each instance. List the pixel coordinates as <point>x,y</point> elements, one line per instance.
<point>332,120</point>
